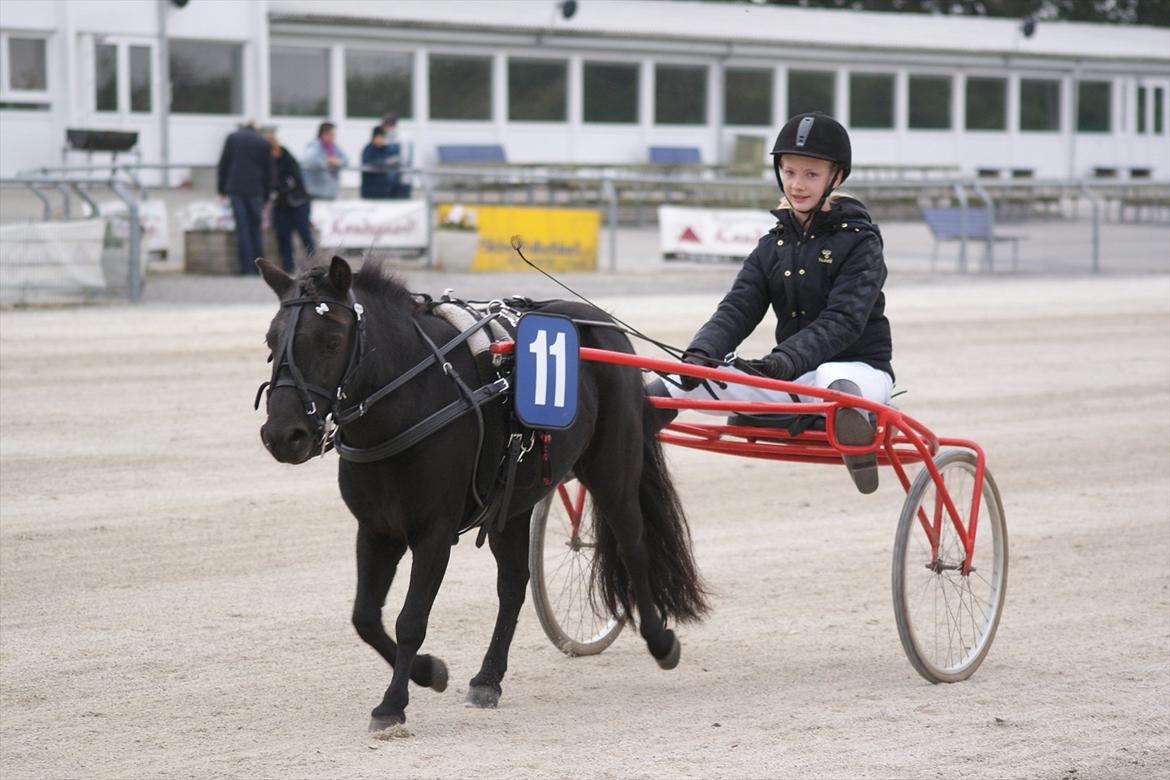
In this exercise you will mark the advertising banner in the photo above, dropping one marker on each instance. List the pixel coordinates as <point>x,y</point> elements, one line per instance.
<point>554,239</point>
<point>361,224</point>
<point>711,232</point>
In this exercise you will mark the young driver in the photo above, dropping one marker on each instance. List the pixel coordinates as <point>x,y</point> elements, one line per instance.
<point>821,271</point>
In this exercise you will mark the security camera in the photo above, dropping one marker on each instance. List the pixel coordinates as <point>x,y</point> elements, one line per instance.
<point>568,8</point>
<point>1028,26</point>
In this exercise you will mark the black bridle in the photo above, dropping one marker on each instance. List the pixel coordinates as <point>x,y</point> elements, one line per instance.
<point>326,415</point>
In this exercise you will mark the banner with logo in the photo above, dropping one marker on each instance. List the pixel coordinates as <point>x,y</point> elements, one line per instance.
<point>554,239</point>
<point>361,224</point>
<point>711,232</point>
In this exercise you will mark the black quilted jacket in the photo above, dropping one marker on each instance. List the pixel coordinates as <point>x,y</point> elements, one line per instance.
<point>826,293</point>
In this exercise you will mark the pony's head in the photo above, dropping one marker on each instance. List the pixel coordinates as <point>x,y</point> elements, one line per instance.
<point>315,343</point>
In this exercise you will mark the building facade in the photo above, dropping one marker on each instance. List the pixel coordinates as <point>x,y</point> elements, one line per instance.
<point>619,76</point>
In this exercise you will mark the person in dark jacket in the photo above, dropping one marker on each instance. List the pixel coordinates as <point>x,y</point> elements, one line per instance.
<point>290,207</point>
<point>244,176</point>
<point>821,271</point>
<point>382,182</point>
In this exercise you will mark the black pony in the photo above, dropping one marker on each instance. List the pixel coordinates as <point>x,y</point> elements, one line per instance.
<point>345,337</point>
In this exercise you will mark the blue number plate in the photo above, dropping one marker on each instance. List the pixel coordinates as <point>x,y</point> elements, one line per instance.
<point>547,364</point>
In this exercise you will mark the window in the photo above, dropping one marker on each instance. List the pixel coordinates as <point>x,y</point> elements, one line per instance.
<point>27,65</point>
<point>811,90</point>
<point>1039,105</point>
<point>1159,114</point>
<point>680,95</point>
<point>930,102</point>
<point>461,87</point>
<point>24,73</point>
<point>1094,104</point>
<point>747,96</point>
<point>206,77</point>
<point>871,100</point>
<point>140,92</point>
<point>378,83</point>
<point>299,82</point>
<point>986,104</point>
<point>105,69</point>
<point>537,90</point>
<point>611,92</point>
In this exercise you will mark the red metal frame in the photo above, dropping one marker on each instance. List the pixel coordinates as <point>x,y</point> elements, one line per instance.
<point>899,439</point>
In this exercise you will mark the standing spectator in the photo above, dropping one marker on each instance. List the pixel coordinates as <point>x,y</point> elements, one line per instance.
<point>290,210</point>
<point>380,175</point>
<point>244,176</point>
<point>322,164</point>
<point>395,137</point>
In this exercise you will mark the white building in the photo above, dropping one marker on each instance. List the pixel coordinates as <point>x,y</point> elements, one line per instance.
<point>618,77</point>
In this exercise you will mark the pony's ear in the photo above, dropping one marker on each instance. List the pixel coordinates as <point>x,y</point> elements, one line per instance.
<point>278,280</point>
<point>340,276</point>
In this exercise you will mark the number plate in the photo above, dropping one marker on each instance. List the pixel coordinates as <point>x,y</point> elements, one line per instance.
<point>546,370</point>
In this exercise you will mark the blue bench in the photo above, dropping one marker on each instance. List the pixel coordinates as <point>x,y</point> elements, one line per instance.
<point>675,155</point>
<point>463,154</point>
<point>955,224</point>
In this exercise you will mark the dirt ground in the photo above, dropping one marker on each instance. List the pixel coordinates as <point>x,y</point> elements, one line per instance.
<point>174,603</point>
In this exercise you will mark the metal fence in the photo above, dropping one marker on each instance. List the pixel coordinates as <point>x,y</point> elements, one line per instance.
<point>1058,225</point>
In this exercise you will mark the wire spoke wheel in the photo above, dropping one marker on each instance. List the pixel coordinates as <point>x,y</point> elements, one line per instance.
<point>560,560</point>
<point>947,619</point>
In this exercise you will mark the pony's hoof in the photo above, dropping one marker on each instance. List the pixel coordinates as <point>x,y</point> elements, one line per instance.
<point>383,722</point>
<point>670,660</point>
<point>438,675</point>
<point>483,697</point>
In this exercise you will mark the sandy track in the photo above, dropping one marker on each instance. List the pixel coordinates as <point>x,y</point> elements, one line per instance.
<point>175,603</point>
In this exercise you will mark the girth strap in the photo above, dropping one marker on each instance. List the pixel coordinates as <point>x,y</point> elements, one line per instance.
<point>419,431</point>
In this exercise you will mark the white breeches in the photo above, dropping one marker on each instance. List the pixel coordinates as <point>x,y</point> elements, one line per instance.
<point>875,385</point>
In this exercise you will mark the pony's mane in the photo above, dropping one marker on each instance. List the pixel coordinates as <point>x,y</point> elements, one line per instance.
<point>376,283</point>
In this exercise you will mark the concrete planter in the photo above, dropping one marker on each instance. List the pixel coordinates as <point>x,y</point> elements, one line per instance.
<point>455,249</point>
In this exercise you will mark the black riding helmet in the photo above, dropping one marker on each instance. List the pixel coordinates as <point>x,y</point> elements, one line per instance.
<point>813,135</point>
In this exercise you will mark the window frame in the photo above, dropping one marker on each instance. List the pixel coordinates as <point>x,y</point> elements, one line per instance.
<point>525,59</point>
<point>1111,125</point>
<point>243,72</point>
<point>1005,81</point>
<point>639,83</point>
<point>1047,78</point>
<point>949,77</point>
<point>327,50</point>
<point>832,75</point>
<point>488,57</point>
<point>412,62</point>
<point>705,79</point>
<point>893,79</point>
<point>41,97</point>
<point>771,73</point>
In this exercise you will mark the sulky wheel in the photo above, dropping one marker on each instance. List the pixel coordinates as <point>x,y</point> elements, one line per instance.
<point>560,559</point>
<point>946,619</point>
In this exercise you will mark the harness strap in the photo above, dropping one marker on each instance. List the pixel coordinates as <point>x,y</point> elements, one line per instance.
<point>421,430</point>
<point>354,412</point>
<point>499,507</point>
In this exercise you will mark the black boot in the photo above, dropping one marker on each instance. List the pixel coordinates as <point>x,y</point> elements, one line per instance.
<point>653,418</point>
<point>853,427</point>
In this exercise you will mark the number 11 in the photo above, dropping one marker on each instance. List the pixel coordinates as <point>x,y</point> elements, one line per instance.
<point>542,350</point>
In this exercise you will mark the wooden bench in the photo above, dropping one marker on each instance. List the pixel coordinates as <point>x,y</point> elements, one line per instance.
<point>950,224</point>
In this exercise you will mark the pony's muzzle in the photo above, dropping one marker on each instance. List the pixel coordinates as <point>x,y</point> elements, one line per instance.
<point>288,444</point>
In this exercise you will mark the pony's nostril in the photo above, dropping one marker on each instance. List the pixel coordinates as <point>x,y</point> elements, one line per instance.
<point>297,436</point>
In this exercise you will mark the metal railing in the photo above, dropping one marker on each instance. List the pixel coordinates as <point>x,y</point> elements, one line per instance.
<point>609,188</point>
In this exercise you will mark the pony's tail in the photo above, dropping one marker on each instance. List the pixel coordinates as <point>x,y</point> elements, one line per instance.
<point>675,584</point>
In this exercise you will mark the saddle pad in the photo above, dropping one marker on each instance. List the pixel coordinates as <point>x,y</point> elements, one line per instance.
<point>461,317</point>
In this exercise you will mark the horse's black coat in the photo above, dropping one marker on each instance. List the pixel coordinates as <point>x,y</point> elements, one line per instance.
<point>418,499</point>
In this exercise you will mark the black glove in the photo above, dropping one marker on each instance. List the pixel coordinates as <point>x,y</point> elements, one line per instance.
<point>775,365</point>
<point>695,358</point>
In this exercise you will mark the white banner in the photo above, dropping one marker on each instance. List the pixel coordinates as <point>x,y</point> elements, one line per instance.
<point>716,232</point>
<point>360,224</point>
<point>60,257</point>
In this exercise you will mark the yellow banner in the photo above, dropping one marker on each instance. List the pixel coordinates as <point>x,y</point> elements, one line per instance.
<point>554,239</point>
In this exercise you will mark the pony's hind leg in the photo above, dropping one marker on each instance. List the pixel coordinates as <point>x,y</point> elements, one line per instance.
<point>431,555</point>
<point>510,549</point>
<point>377,563</point>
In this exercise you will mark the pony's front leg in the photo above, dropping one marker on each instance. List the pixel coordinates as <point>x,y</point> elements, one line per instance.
<point>377,562</point>
<point>426,574</point>
<point>511,551</point>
